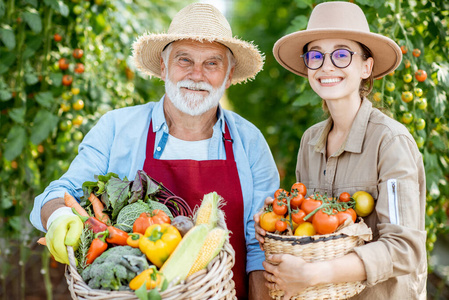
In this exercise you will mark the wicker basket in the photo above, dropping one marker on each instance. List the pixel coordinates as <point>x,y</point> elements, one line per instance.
<point>320,248</point>
<point>214,282</point>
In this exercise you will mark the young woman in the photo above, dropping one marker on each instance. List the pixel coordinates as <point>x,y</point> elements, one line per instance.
<point>357,148</point>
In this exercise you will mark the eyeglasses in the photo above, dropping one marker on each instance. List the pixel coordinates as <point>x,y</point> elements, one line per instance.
<point>341,58</point>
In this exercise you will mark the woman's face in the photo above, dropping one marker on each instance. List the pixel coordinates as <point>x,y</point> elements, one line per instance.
<point>333,83</point>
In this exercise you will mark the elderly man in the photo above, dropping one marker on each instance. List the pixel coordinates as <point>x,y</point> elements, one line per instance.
<point>186,140</point>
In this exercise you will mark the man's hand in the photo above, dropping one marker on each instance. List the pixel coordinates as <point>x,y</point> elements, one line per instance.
<point>260,233</point>
<point>64,231</point>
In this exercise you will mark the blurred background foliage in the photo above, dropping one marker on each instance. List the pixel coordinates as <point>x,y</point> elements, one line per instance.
<point>63,64</point>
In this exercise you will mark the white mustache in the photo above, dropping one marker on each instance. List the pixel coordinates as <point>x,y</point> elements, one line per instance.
<point>196,86</point>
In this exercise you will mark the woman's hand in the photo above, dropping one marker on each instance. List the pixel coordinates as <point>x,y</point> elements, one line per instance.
<point>260,233</point>
<point>287,273</point>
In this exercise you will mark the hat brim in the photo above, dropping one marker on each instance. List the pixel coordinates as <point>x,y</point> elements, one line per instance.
<point>147,51</point>
<point>386,53</point>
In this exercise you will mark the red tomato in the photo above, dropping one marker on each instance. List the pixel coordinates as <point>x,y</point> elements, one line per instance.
<point>67,80</point>
<point>280,225</point>
<point>280,207</point>
<point>79,68</point>
<point>421,75</point>
<point>343,215</point>
<point>280,192</point>
<point>298,217</point>
<point>300,188</point>
<point>78,53</point>
<point>296,201</point>
<point>57,37</point>
<point>344,197</point>
<point>63,64</point>
<point>309,205</point>
<point>324,223</point>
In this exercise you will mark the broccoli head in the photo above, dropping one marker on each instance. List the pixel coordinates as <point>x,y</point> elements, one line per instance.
<point>115,268</point>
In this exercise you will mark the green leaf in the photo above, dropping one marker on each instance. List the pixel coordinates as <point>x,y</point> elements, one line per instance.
<point>307,97</point>
<point>298,23</point>
<point>304,3</point>
<point>32,174</point>
<point>32,46</point>
<point>32,18</point>
<point>7,36</point>
<point>63,9</point>
<point>153,294</point>
<point>45,99</point>
<point>439,102</point>
<point>44,123</point>
<point>117,191</point>
<point>141,292</point>
<point>5,95</point>
<point>56,79</point>
<point>442,73</point>
<point>32,2</point>
<point>17,114</point>
<point>8,58</point>
<point>31,78</point>
<point>15,142</point>
<point>2,9</point>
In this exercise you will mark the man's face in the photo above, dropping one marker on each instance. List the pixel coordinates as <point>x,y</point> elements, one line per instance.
<point>196,75</point>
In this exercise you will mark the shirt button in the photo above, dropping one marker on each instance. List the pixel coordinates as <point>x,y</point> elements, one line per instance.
<point>157,127</point>
<point>164,127</point>
<point>158,148</point>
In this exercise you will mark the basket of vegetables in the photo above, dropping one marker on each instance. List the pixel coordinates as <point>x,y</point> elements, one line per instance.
<point>140,241</point>
<point>316,228</point>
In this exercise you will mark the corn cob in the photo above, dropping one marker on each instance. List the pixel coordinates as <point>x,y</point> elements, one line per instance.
<point>208,210</point>
<point>178,265</point>
<point>211,247</point>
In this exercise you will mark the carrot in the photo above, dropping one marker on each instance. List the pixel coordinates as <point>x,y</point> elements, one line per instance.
<point>98,207</point>
<point>70,201</point>
<point>42,241</point>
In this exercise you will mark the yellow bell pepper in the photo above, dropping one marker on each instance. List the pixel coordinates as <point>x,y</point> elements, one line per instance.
<point>133,239</point>
<point>150,276</point>
<point>158,242</point>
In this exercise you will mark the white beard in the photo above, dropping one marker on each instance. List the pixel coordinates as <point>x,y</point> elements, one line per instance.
<point>192,103</point>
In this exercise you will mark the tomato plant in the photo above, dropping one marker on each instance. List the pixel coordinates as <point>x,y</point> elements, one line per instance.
<point>79,68</point>
<point>416,52</point>
<point>67,80</point>
<point>57,37</point>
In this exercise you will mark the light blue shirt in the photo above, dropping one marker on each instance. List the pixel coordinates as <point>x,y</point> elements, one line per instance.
<point>117,143</point>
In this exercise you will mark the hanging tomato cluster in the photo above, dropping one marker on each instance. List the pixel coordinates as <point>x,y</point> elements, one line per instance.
<point>296,213</point>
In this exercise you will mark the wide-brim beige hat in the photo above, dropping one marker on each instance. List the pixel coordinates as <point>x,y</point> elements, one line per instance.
<point>204,23</point>
<point>337,20</point>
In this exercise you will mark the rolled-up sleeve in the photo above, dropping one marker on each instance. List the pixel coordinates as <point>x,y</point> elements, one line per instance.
<point>400,208</point>
<point>92,159</point>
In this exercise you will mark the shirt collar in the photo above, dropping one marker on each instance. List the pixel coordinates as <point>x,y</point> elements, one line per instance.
<point>158,117</point>
<point>354,142</point>
<point>355,137</point>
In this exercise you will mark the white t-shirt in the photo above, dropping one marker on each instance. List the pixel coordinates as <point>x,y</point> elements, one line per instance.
<point>180,149</point>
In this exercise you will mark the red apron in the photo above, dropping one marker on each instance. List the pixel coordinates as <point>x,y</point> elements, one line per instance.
<point>191,180</point>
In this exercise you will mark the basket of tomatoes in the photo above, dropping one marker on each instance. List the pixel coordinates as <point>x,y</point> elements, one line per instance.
<point>317,228</point>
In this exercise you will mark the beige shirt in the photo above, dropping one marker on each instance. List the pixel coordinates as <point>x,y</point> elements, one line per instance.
<point>380,157</point>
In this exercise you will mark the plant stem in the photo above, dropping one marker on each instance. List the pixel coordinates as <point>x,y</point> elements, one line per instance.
<point>46,273</point>
<point>47,46</point>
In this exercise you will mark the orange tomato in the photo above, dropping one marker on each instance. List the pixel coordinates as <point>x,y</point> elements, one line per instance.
<point>268,221</point>
<point>343,215</point>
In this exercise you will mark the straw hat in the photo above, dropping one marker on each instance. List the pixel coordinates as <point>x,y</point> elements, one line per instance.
<point>204,23</point>
<point>337,20</point>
